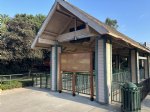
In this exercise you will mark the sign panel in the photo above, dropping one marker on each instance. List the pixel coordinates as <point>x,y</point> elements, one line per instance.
<point>76,62</point>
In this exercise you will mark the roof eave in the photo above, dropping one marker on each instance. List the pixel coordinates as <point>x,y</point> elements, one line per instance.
<point>44,24</point>
<point>131,42</point>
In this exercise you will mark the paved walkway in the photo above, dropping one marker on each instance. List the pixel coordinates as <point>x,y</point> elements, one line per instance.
<point>146,104</point>
<point>39,100</point>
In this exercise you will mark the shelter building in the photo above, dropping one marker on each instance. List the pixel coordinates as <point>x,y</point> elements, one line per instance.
<point>70,33</point>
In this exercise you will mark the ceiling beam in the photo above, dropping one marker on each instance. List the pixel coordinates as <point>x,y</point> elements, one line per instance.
<point>46,41</point>
<point>41,47</point>
<point>46,36</point>
<point>79,34</point>
<point>142,58</point>
<point>50,33</point>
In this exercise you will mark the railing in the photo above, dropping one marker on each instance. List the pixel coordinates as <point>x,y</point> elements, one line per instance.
<point>15,81</point>
<point>116,92</point>
<point>121,77</point>
<point>41,80</point>
<point>82,83</point>
<point>67,81</point>
<point>12,77</point>
<point>117,80</point>
<point>141,72</point>
<point>145,88</point>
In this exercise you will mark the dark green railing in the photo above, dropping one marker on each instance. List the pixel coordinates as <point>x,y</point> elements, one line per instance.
<point>121,77</point>
<point>117,80</point>
<point>141,72</point>
<point>12,77</point>
<point>145,88</point>
<point>82,82</point>
<point>67,81</point>
<point>41,80</point>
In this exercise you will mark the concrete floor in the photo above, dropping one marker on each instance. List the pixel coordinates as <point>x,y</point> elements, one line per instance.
<point>146,104</point>
<point>41,100</point>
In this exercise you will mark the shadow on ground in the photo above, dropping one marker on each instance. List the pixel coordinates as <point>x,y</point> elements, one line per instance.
<point>146,102</point>
<point>114,107</point>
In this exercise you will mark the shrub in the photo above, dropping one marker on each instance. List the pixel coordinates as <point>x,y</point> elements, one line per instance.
<point>16,84</point>
<point>10,85</point>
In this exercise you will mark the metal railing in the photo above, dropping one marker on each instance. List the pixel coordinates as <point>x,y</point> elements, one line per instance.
<point>117,80</point>
<point>121,77</point>
<point>145,88</point>
<point>67,81</point>
<point>41,80</point>
<point>141,72</point>
<point>12,77</point>
<point>82,83</point>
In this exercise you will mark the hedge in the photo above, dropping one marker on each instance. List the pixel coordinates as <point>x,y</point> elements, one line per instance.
<point>15,84</point>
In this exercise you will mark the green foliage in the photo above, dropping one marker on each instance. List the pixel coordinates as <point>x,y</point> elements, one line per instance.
<point>10,85</point>
<point>112,23</point>
<point>21,32</point>
<point>4,19</point>
<point>15,84</point>
<point>18,34</point>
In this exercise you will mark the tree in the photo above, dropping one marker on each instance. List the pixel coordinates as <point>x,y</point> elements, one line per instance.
<point>21,31</point>
<point>17,37</point>
<point>112,23</point>
<point>3,29</point>
<point>4,19</point>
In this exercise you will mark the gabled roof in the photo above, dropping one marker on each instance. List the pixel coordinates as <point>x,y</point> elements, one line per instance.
<point>94,23</point>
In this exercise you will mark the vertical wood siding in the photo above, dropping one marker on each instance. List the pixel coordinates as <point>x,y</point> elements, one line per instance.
<point>55,67</point>
<point>53,76</point>
<point>104,71</point>
<point>58,62</point>
<point>101,93</point>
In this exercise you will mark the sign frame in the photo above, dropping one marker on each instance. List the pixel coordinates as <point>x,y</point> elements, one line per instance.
<point>74,74</point>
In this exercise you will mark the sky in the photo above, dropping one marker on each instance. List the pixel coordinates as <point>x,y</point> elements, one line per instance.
<point>133,16</point>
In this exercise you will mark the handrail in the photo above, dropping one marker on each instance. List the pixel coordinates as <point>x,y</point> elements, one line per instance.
<point>11,75</point>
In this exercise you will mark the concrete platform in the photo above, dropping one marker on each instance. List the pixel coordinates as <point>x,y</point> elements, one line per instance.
<point>41,100</point>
